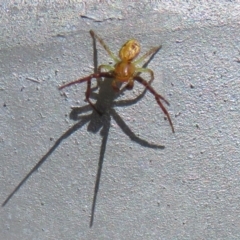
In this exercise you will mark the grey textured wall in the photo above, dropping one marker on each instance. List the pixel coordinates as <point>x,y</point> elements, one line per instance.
<point>188,190</point>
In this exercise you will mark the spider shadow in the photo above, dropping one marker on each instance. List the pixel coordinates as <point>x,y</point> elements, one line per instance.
<point>104,102</point>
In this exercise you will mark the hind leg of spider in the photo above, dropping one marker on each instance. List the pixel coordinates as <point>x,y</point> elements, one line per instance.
<point>94,35</point>
<point>157,97</point>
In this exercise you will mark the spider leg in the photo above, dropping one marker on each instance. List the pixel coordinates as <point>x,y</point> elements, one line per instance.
<point>130,84</point>
<point>141,70</point>
<point>157,97</point>
<point>87,94</point>
<point>115,86</point>
<point>88,91</point>
<point>94,35</point>
<point>150,52</point>
<point>107,67</point>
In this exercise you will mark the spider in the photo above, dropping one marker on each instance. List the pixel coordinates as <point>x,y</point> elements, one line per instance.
<point>125,70</point>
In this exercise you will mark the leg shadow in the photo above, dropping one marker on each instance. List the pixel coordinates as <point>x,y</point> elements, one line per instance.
<point>73,129</point>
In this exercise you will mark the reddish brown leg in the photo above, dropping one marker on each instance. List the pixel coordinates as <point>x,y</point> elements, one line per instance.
<point>130,85</point>
<point>157,97</point>
<point>87,94</point>
<point>88,80</point>
<point>115,86</point>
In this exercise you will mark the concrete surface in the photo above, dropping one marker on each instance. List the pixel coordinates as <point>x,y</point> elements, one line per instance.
<point>188,190</point>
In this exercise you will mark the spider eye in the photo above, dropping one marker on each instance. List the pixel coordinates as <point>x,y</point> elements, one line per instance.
<point>129,50</point>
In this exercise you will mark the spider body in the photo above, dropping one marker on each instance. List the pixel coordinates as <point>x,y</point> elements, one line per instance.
<point>125,70</point>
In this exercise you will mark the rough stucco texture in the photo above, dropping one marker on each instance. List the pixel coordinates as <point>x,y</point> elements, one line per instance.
<point>188,190</point>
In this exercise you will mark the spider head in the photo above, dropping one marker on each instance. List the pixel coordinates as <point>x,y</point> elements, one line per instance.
<point>129,50</point>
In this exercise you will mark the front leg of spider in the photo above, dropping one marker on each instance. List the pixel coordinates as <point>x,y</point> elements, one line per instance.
<point>88,91</point>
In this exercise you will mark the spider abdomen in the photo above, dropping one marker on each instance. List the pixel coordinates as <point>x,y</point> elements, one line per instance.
<point>129,50</point>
